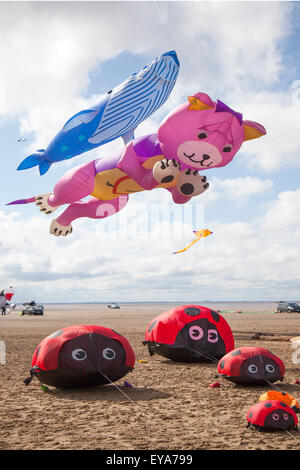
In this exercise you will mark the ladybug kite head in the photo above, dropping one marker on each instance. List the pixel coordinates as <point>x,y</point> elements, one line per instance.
<point>82,356</point>
<point>272,415</point>
<point>189,333</point>
<point>251,365</point>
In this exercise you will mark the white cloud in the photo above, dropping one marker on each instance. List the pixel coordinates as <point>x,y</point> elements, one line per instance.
<point>279,112</point>
<point>45,74</point>
<point>238,190</point>
<point>257,259</point>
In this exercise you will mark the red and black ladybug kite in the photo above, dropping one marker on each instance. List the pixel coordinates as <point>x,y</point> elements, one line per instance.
<point>82,356</point>
<point>272,415</point>
<point>190,333</point>
<point>251,366</point>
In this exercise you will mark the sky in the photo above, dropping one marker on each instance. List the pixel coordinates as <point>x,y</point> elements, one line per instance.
<point>59,57</point>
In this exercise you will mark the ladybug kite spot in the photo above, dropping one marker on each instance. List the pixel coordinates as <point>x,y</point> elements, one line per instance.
<point>237,352</point>
<point>215,315</point>
<point>192,311</point>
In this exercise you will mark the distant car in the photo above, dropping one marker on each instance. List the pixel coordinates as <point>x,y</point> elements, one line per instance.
<point>113,306</point>
<point>288,307</point>
<point>32,308</point>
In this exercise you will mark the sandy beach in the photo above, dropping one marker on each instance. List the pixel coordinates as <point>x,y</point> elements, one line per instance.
<point>173,406</point>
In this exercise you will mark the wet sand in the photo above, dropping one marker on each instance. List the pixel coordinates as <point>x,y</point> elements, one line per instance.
<point>173,406</point>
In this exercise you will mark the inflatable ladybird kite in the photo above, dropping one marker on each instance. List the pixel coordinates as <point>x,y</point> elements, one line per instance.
<point>251,366</point>
<point>82,356</point>
<point>198,135</point>
<point>272,415</point>
<point>190,333</point>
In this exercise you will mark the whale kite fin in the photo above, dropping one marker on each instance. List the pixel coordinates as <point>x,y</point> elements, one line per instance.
<point>44,167</point>
<point>128,136</point>
<point>83,117</point>
<point>33,160</point>
<point>36,159</point>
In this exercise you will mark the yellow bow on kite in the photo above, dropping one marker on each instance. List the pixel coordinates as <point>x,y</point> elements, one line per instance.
<point>199,234</point>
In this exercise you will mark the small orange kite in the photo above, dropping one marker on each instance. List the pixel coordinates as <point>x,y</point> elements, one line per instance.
<point>199,234</point>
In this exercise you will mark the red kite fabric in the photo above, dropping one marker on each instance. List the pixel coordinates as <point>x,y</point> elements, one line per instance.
<point>190,333</point>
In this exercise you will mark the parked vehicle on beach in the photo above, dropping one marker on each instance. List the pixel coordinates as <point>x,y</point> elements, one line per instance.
<point>113,306</point>
<point>32,308</point>
<point>288,307</point>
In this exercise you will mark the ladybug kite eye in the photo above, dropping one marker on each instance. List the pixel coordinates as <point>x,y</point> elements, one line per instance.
<point>196,332</point>
<point>253,369</point>
<point>269,368</point>
<point>286,416</point>
<point>79,354</point>
<point>212,336</point>
<point>275,416</point>
<point>108,353</point>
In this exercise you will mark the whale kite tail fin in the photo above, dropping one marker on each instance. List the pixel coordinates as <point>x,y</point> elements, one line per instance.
<point>36,159</point>
<point>22,201</point>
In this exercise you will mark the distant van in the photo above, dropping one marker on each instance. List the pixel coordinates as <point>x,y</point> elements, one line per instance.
<point>113,306</point>
<point>288,307</point>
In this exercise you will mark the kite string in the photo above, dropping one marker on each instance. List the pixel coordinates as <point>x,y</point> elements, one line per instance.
<point>107,378</point>
<point>208,356</point>
<point>180,44</point>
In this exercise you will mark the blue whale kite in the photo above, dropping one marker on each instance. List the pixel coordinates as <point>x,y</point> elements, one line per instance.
<point>117,114</point>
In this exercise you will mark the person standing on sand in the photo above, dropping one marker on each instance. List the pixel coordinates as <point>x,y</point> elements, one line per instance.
<point>5,295</point>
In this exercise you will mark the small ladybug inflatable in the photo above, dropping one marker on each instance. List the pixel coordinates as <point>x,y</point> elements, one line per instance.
<point>82,356</point>
<point>189,333</point>
<point>251,366</point>
<point>272,415</point>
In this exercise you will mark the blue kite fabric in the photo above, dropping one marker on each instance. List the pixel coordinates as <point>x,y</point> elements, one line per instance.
<point>117,114</point>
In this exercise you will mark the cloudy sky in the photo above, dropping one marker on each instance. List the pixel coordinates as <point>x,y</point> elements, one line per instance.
<point>58,57</point>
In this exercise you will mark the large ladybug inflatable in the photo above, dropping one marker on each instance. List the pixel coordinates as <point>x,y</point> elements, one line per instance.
<point>251,366</point>
<point>82,356</point>
<point>272,415</point>
<point>189,333</point>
